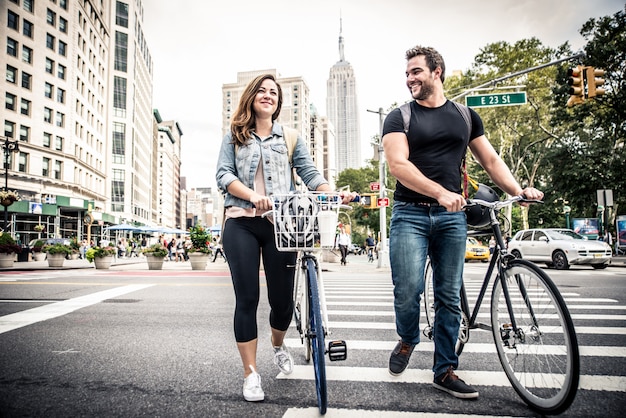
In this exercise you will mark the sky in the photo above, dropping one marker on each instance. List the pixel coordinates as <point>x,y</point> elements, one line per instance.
<point>197,46</point>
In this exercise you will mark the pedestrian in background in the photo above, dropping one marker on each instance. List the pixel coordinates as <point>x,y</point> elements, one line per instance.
<point>343,241</point>
<point>427,217</point>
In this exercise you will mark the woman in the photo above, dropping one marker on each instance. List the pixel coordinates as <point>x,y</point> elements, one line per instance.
<point>253,164</point>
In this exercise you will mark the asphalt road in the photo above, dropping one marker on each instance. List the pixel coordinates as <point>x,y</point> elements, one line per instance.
<point>132,342</point>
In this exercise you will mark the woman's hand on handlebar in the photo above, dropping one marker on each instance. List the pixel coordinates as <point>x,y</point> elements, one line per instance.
<point>530,193</point>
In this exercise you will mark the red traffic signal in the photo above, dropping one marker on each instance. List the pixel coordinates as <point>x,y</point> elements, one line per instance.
<point>577,89</point>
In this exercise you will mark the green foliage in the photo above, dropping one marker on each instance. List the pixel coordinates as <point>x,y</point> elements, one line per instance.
<point>200,239</point>
<point>157,250</point>
<point>57,249</point>
<point>8,244</point>
<point>38,246</point>
<point>99,252</point>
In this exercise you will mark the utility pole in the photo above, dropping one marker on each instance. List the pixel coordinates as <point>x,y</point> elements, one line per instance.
<point>382,252</point>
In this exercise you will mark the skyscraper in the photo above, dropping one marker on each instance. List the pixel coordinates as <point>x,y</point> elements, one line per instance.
<point>342,110</point>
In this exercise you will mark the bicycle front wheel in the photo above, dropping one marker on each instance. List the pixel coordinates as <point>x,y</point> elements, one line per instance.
<point>317,338</point>
<point>535,338</point>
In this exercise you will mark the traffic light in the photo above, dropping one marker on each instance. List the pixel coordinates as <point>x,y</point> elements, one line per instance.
<point>369,201</point>
<point>593,81</point>
<point>577,86</point>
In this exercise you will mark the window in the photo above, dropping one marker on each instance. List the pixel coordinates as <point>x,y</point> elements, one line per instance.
<point>25,107</point>
<point>51,18</point>
<point>27,29</point>
<point>47,139</point>
<point>62,48</point>
<point>60,95</point>
<point>22,159</point>
<point>63,4</point>
<point>47,115</point>
<point>9,129</point>
<point>49,66</point>
<point>121,51</point>
<point>62,25</point>
<point>58,143</point>
<point>29,5</point>
<point>119,143</point>
<point>57,169</point>
<point>24,133</point>
<point>60,120</point>
<point>13,21</point>
<point>12,45</point>
<point>9,102</point>
<point>61,71</point>
<point>26,78</point>
<point>48,88</point>
<point>11,74</point>
<point>119,93</point>
<point>121,14</point>
<point>50,40</point>
<point>45,166</point>
<point>27,54</point>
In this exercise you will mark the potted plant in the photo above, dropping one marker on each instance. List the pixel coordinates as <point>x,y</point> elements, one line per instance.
<point>37,250</point>
<point>8,197</point>
<point>40,227</point>
<point>102,257</point>
<point>56,254</point>
<point>155,254</point>
<point>8,249</point>
<point>75,248</point>
<point>200,250</point>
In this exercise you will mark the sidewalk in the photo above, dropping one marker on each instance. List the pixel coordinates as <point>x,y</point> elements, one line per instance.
<point>356,264</point>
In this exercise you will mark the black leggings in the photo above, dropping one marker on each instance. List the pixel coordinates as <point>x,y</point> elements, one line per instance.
<point>245,241</point>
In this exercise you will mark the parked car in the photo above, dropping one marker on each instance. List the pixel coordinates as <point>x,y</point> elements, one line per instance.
<point>50,241</point>
<point>355,249</point>
<point>474,250</point>
<point>560,248</point>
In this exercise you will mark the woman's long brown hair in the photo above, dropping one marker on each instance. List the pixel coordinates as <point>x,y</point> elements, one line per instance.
<point>244,119</point>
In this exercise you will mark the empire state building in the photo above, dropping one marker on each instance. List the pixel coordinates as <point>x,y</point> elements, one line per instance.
<point>342,110</point>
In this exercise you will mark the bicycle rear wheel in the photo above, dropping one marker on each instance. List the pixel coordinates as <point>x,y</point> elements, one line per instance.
<point>317,338</point>
<point>541,358</point>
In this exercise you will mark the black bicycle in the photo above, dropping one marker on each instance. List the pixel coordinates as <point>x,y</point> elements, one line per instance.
<point>530,323</point>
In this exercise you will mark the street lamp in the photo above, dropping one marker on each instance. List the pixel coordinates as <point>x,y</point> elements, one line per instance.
<point>8,147</point>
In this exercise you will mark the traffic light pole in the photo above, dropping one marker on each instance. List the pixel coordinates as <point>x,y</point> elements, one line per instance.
<point>506,77</point>
<point>383,258</point>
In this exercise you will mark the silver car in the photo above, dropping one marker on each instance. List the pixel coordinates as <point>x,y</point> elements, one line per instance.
<point>559,248</point>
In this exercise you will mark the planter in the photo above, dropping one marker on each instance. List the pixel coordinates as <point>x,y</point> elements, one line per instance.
<point>6,260</point>
<point>103,262</point>
<point>74,256</point>
<point>56,260</point>
<point>198,260</point>
<point>39,256</point>
<point>7,202</point>
<point>154,262</point>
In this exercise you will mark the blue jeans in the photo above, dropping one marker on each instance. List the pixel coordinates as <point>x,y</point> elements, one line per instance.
<point>418,232</point>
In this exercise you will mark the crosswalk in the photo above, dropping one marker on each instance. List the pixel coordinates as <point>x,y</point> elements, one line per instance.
<point>363,306</point>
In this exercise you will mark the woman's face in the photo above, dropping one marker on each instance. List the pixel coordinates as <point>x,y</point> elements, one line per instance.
<point>266,100</point>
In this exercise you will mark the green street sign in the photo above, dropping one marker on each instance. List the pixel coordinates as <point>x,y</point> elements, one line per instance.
<point>496,99</point>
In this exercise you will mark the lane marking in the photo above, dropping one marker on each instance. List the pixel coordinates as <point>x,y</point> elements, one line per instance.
<point>54,310</point>
<point>424,376</point>
<point>361,413</point>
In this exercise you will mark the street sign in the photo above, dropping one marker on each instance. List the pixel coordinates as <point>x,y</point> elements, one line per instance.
<point>383,202</point>
<point>374,186</point>
<point>496,99</point>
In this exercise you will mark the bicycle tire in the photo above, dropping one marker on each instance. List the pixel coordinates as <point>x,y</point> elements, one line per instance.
<point>301,308</point>
<point>542,360</point>
<point>317,338</point>
<point>428,297</point>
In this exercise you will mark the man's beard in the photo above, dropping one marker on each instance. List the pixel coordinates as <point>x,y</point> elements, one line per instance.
<point>424,92</point>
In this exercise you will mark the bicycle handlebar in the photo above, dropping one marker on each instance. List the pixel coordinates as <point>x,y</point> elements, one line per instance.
<point>498,204</point>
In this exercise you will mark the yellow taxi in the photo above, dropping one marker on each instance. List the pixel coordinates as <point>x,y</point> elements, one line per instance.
<point>474,250</point>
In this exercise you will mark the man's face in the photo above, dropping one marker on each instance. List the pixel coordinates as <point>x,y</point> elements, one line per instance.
<point>419,78</point>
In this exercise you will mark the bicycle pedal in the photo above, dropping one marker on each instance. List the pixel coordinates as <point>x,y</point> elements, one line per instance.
<point>337,350</point>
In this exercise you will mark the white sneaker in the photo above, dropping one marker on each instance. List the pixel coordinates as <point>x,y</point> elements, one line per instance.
<point>283,359</point>
<point>252,391</point>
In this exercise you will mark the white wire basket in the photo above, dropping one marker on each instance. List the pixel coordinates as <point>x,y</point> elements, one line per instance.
<point>305,221</point>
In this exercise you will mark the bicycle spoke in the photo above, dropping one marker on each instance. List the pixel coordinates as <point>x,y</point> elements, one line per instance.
<point>536,342</point>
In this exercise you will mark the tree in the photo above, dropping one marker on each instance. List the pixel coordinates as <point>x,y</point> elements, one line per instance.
<point>591,155</point>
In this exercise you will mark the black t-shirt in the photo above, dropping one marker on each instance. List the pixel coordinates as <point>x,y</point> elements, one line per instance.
<point>437,144</point>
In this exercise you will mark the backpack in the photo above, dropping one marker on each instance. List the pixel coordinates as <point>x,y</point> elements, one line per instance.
<point>405,110</point>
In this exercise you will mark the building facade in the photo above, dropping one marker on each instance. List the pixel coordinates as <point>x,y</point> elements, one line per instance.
<point>343,112</point>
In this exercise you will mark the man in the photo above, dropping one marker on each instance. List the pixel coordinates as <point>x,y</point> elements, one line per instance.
<point>428,218</point>
<point>343,241</point>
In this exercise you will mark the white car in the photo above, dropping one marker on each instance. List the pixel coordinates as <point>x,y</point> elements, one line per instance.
<point>559,248</point>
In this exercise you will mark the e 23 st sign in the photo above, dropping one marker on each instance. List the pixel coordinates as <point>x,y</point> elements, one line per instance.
<point>496,99</point>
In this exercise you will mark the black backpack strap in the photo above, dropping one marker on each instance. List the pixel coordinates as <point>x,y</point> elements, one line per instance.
<point>405,109</point>
<point>464,111</point>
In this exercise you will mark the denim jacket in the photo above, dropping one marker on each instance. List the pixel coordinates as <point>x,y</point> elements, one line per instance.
<point>243,161</point>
